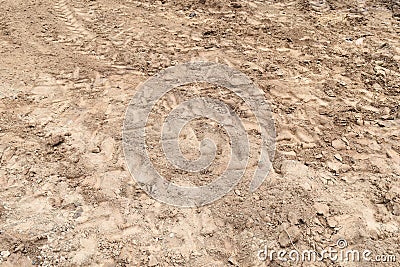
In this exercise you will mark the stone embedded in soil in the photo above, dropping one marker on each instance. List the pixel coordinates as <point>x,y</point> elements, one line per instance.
<point>396,209</point>
<point>55,140</point>
<point>306,186</point>
<point>4,254</point>
<point>321,208</point>
<point>293,167</point>
<point>286,238</point>
<point>338,157</point>
<point>334,166</point>
<point>152,261</point>
<point>233,261</point>
<point>236,5</point>
<point>338,144</point>
<point>331,222</point>
<point>96,150</point>
<point>293,218</point>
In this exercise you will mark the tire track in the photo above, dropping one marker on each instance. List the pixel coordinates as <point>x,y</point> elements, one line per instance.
<point>76,28</point>
<point>88,42</point>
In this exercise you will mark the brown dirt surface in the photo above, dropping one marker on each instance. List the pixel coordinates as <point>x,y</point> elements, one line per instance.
<point>68,69</point>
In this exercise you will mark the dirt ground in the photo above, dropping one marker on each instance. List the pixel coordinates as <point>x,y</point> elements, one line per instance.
<point>68,70</point>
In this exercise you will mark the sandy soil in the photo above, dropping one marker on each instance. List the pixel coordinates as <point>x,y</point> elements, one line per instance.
<point>68,70</point>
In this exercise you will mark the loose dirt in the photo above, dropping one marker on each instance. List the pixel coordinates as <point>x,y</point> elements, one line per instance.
<point>331,71</point>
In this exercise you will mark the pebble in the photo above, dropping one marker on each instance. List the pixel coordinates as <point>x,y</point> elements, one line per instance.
<point>236,5</point>
<point>284,240</point>
<point>359,41</point>
<point>96,150</point>
<point>4,254</point>
<point>293,218</point>
<point>331,222</point>
<point>333,166</point>
<point>345,168</point>
<point>390,153</point>
<point>338,144</point>
<point>338,157</point>
<point>152,261</point>
<point>306,186</point>
<point>396,209</point>
<point>56,140</point>
<point>321,208</point>
<point>284,136</point>
<point>233,261</point>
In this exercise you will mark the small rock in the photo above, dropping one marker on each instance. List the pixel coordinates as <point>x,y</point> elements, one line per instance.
<point>236,5</point>
<point>237,192</point>
<point>345,168</point>
<point>331,222</point>
<point>4,254</point>
<point>152,261</point>
<point>55,140</point>
<point>334,166</point>
<point>295,168</point>
<point>359,41</point>
<point>390,153</point>
<point>319,156</point>
<point>377,87</point>
<point>321,208</point>
<point>233,261</point>
<point>293,218</point>
<point>338,157</point>
<point>338,144</point>
<point>96,150</point>
<point>306,186</point>
<point>284,136</point>
<point>346,141</point>
<point>284,240</point>
<point>396,209</point>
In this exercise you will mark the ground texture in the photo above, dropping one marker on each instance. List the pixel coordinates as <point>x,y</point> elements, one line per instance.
<point>68,69</point>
